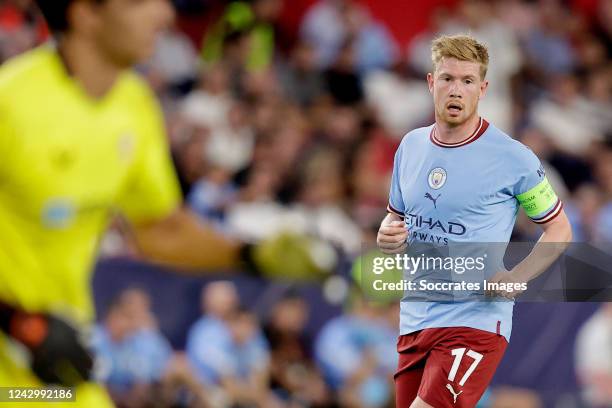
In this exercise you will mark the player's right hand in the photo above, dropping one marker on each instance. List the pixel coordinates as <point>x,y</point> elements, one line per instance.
<point>392,236</point>
<point>58,356</point>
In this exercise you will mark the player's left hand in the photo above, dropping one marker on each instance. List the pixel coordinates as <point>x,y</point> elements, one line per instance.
<point>513,285</point>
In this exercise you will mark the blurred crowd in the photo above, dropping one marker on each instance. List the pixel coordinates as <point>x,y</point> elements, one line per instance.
<point>239,358</point>
<point>294,129</point>
<point>235,358</point>
<point>272,131</point>
<point>276,130</point>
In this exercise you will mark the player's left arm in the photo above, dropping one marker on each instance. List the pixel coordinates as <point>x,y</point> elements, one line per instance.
<point>552,243</point>
<point>543,207</point>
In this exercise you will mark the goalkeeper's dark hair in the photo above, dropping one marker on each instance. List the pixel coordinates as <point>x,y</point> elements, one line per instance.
<point>56,13</point>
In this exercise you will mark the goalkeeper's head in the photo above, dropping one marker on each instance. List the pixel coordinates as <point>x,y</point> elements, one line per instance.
<point>122,31</point>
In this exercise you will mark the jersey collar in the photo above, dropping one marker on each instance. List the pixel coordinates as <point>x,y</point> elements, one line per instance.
<point>480,129</point>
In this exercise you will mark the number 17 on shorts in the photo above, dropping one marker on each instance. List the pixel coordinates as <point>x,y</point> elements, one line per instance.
<point>447,367</point>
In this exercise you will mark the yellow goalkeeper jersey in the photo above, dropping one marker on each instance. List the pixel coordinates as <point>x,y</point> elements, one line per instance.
<point>66,162</point>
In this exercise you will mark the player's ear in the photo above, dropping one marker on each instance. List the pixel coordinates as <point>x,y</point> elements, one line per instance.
<point>82,16</point>
<point>430,82</point>
<point>484,85</point>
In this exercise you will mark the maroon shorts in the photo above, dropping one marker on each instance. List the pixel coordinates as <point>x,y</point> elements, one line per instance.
<point>446,367</point>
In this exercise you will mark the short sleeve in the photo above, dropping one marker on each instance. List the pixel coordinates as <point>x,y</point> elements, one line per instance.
<point>533,190</point>
<point>152,191</point>
<point>396,202</point>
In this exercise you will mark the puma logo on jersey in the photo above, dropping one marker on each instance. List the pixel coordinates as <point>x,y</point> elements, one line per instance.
<point>452,391</point>
<point>430,197</point>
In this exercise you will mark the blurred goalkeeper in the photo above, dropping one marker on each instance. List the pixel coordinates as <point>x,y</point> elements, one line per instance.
<point>80,137</point>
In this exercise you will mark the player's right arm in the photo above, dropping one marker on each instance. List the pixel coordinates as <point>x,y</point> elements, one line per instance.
<point>392,235</point>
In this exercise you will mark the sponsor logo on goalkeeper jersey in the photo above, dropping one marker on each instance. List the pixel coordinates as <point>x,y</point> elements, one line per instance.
<point>58,213</point>
<point>61,213</point>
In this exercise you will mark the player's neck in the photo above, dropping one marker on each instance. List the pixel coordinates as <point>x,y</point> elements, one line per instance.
<point>95,73</point>
<point>454,134</point>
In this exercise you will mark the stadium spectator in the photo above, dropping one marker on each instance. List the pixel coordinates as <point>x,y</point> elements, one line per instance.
<point>208,105</point>
<point>174,65</point>
<point>229,352</point>
<point>334,27</point>
<point>565,117</point>
<point>135,361</point>
<point>584,212</point>
<point>603,24</point>
<point>301,80</point>
<point>355,351</point>
<point>248,27</point>
<point>548,45</point>
<point>594,358</point>
<point>399,102</point>
<point>294,377</point>
<point>320,198</point>
<point>599,97</point>
<point>21,27</point>
<point>342,78</point>
<point>188,151</point>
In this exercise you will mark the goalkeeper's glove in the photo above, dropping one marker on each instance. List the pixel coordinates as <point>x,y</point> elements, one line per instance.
<point>290,257</point>
<point>58,356</point>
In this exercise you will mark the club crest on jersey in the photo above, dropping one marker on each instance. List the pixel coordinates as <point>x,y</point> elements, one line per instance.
<point>437,178</point>
<point>58,213</point>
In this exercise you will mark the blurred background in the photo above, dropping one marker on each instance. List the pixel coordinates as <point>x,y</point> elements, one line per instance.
<point>285,115</point>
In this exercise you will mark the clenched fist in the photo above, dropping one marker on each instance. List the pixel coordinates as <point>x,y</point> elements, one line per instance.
<point>392,235</point>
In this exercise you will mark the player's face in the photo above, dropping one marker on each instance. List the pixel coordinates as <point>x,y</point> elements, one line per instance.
<point>456,87</point>
<point>126,30</point>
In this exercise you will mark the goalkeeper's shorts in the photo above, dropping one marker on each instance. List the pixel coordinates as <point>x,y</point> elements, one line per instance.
<point>14,372</point>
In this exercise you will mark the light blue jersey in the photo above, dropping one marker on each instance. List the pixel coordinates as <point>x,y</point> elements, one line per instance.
<point>140,358</point>
<point>339,350</point>
<point>466,192</point>
<point>215,354</point>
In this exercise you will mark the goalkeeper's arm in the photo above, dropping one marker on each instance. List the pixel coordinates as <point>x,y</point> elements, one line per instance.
<point>183,240</point>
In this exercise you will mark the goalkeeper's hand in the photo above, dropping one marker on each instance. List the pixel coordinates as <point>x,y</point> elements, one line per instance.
<point>58,356</point>
<point>291,257</point>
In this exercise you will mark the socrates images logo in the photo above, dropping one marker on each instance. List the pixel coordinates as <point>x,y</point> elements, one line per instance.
<point>437,178</point>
